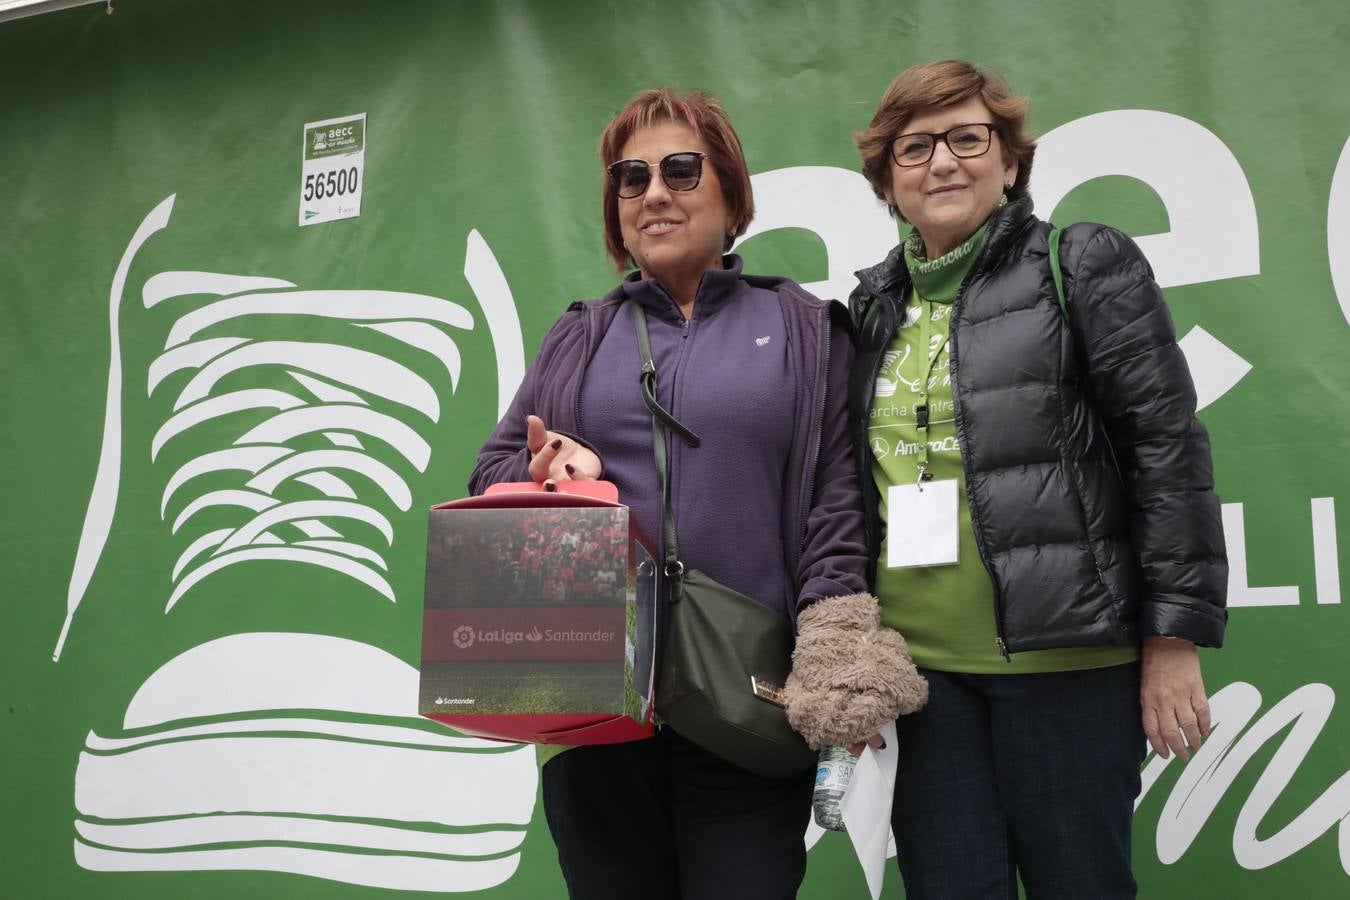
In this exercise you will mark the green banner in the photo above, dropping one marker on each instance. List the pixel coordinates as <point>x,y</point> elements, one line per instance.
<point>230,404</point>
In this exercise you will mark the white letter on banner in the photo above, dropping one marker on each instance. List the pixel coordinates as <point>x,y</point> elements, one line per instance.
<point>1208,201</point>
<point>835,204</point>
<point>1326,560</point>
<point>1338,230</point>
<point>1232,744</point>
<point>1239,593</point>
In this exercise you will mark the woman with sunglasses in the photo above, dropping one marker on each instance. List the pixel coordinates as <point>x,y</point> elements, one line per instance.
<point>767,504</point>
<point>1042,519</point>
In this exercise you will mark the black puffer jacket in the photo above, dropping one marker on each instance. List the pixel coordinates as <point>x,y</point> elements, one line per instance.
<point>1089,477</point>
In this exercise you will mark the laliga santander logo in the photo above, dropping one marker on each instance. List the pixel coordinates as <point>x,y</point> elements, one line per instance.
<point>465,636</point>
<point>280,751</point>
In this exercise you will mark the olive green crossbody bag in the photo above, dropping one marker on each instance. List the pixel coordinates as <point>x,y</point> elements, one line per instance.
<point>719,644</point>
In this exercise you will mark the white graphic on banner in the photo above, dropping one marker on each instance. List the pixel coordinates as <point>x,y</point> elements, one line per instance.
<point>1214,368</point>
<point>103,498</point>
<point>304,792</point>
<point>489,285</point>
<point>337,380</point>
<point>304,752</point>
<point>1221,759</point>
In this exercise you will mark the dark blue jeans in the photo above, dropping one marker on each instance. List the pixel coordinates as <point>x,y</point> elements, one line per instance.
<point>1002,776</point>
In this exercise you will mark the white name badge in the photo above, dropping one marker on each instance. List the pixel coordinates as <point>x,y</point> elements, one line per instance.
<point>921,528</point>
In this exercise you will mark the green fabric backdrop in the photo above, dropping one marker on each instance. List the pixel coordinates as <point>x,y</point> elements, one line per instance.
<point>257,734</point>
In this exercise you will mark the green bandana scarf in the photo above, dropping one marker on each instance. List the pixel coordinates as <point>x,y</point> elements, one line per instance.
<point>938,280</point>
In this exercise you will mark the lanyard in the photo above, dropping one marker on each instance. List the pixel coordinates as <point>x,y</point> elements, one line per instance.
<point>921,410</point>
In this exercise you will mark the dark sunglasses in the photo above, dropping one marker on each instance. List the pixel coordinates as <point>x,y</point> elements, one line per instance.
<point>680,172</point>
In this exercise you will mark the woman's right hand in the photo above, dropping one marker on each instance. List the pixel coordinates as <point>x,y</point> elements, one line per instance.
<point>556,457</point>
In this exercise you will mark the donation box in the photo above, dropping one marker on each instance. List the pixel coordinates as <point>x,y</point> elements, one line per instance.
<point>540,617</point>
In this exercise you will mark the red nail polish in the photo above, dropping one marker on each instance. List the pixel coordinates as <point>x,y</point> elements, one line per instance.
<point>550,486</point>
<point>556,444</point>
<point>569,469</point>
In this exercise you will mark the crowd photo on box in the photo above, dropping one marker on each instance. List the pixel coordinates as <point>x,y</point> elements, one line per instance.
<point>548,557</point>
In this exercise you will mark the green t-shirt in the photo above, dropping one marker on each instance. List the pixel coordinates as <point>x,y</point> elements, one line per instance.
<point>946,613</point>
<point>544,752</point>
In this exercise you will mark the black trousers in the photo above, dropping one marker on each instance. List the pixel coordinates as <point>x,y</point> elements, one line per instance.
<point>664,819</point>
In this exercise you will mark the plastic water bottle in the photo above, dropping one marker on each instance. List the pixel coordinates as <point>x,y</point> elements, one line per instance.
<point>833,773</point>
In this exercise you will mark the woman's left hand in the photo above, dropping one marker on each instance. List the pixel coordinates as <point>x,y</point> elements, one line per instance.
<point>1172,694</point>
<point>876,742</point>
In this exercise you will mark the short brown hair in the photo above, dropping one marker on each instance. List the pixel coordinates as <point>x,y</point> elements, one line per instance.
<point>703,113</point>
<point>936,85</point>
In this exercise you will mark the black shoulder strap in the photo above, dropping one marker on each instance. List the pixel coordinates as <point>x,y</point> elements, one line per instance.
<point>661,420</point>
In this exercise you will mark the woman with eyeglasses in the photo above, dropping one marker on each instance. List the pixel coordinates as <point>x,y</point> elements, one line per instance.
<point>1042,520</point>
<point>767,504</point>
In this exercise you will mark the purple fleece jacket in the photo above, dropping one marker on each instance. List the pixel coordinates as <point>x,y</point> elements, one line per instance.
<point>791,463</point>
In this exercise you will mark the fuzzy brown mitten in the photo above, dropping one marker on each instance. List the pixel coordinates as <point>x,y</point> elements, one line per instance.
<point>850,675</point>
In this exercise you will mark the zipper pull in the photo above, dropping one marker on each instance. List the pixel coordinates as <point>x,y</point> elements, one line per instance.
<point>1003,649</point>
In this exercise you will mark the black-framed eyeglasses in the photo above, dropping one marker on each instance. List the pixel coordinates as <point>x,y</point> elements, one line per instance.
<point>680,172</point>
<point>965,141</point>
